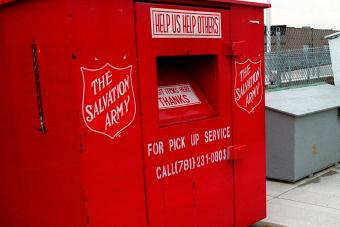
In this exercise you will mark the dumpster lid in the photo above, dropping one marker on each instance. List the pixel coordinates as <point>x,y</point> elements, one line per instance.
<point>333,36</point>
<point>303,101</point>
<point>241,2</point>
<point>5,1</point>
<point>234,2</point>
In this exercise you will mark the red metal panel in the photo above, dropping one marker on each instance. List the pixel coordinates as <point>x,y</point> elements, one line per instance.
<point>69,176</point>
<point>102,34</point>
<point>248,121</point>
<point>40,175</point>
<point>202,195</point>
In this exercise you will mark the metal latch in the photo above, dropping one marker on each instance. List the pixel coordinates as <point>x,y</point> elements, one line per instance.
<point>235,153</point>
<point>235,48</point>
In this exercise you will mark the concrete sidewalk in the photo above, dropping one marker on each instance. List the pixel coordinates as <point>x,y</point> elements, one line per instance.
<point>312,202</point>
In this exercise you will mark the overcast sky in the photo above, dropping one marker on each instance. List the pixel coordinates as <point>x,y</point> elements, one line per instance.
<point>324,14</point>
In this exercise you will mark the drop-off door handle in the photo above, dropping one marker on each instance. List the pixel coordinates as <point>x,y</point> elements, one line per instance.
<point>235,153</point>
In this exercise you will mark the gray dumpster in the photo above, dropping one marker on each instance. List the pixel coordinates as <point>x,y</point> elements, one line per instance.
<point>334,47</point>
<point>302,130</point>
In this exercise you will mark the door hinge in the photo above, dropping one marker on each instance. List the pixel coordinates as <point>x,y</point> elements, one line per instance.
<point>236,153</point>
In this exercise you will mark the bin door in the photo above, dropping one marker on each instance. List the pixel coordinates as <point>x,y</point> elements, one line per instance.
<point>185,96</point>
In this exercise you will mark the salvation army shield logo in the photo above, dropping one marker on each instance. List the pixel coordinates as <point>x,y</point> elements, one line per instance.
<point>109,104</point>
<point>248,90</point>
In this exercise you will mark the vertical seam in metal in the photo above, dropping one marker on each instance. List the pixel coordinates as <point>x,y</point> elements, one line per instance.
<point>231,58</point>
<point>141,117</point>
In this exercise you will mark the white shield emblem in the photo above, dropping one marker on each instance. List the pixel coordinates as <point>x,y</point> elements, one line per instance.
<point>109,104</point>
<point>248,90</point>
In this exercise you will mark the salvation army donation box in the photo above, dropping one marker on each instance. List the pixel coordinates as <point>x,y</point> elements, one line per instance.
<point>135,113</point>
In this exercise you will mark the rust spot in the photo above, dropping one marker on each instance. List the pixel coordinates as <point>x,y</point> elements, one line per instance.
<point>315,150</point>
<point>76,53</point>
<point>81,147</point>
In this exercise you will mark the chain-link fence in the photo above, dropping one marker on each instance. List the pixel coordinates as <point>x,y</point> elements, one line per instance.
<point>298,67</point>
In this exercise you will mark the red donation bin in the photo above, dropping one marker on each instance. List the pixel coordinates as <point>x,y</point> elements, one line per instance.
<point>132,113</point>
